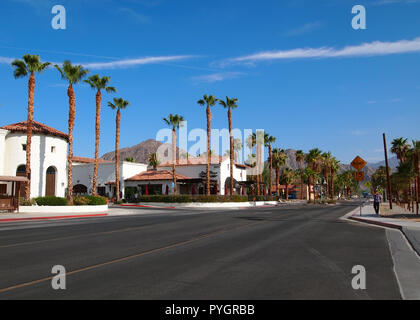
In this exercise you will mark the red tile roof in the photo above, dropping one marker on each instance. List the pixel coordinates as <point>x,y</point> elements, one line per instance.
<point>194,161</point>
<point>156,175</point>
<point>89,160</point>
<point>38,127</point>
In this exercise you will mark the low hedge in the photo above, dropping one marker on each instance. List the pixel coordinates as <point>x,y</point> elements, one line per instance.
<point>89,201</point>
<point>189,198</point>
<point>51,201</point>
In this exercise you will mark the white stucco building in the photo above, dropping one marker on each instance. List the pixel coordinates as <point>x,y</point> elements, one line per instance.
<point>191,177</point>
<point>48,158</point>
<point>83,176</point>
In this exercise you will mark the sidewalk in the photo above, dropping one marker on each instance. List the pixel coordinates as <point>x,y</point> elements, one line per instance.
<point>15,217</point>
<point>411,229</point>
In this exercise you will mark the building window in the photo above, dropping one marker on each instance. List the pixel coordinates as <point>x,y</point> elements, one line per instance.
<point>24,147</point>
<point>52,149</point>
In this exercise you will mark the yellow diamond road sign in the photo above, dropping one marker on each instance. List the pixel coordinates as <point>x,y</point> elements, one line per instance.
<point>358,163</point>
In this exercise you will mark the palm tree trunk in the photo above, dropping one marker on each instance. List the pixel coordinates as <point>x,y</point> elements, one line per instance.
<point>208,112</point>
<point>117,155</point>
<point>97,137</point>
<point>72,116</point>
<point>258,169</point>
<point>309,190</point>
<point>271,167</point>
<point>287,191</point>
<point>31,93</point>
<point>277,181</point>
<point>231,150</point>
<point>174,159</point>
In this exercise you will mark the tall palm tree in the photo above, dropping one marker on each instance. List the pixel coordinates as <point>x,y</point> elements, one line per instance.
<point>29,65</point>
<point>313,159</point>
<point>97,83</point>
<point>400,147</point>
<point>174,121</point>
<point>416,164</point>
<point>269,141</point>
<point>230,103</point>
<point>118,104</point>
<point>72,74</point>
<point>208,101</point>
<point>300,158</point>
<point>258,140</point>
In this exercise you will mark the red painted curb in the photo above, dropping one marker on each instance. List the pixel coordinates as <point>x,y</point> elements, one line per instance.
<point>55,217</point>
<point>378,223</point>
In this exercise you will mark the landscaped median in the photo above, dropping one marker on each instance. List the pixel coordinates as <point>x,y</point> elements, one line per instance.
<point>55,205</point>
<point>202,201</point>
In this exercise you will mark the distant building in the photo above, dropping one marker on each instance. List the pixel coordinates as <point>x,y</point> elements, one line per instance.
<point>48,158</point>
<point>191,177</point>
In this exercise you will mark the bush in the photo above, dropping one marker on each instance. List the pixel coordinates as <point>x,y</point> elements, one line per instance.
<point>51,201</point>
<point>27,203</point>
<point>189,198</point>
<point>89,201</point>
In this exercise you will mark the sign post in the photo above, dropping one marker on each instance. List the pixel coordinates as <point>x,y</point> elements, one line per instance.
<point>358,163</point>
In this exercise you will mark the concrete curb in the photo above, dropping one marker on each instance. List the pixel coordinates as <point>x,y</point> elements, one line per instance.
<point>54,217</point>
<point>378,223</point>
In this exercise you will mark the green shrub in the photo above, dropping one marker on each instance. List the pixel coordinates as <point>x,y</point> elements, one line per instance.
<point>51,201</point>
<point>89,201</point>
<point>26,203</point>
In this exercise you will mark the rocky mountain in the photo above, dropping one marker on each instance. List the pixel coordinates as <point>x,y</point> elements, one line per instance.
<point>393,163</point>
<point>139,152</point>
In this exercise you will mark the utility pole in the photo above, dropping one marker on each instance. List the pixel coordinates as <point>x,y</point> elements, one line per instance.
<point>387,174</point>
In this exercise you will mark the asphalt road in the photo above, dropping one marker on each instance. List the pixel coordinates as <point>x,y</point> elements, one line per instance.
<point>298,252</point>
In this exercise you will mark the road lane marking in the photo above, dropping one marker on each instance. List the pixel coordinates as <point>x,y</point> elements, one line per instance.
<point>144,253</point>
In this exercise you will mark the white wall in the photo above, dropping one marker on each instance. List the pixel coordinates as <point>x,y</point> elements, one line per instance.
<point>41,159</point>
<point>2,150</point>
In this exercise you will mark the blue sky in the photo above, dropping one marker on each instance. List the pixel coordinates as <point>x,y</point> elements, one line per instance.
<point>300,70</point>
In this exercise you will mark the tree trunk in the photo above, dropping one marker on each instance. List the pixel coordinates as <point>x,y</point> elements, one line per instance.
<point>97,137</point>
<point>31,93</point>
<point>258,168</point>
<point>271,167</point>
<point>117,155</point>
<point>208,112</point>
<point>309,190</point>
<point>327,182</point>
<point>72,116</point>
<point>278,182</point>
<point>174,159</point>
<point>231,150</point>
<point>287,191</point>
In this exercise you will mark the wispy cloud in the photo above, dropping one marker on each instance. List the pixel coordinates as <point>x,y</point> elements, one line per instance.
<point>133,62</point>
<point>6,60</point>
<point>376,48</point>
<point>216,77</point>
<point>309,27</point>
<point>358,133</point>
<point>134,16</point>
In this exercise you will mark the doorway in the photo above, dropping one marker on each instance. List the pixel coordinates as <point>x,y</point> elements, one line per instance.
<point>50,182</point>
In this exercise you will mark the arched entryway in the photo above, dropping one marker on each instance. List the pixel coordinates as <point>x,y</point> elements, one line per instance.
<point>50,181</point>
<point>80,189</point>
<point>21,172</point>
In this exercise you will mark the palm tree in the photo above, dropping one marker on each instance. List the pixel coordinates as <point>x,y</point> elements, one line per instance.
<point>230,103</point>
<point>400,147</point>
<point>237,146</point>
<point>30,64</point>
<point>334,167</point>
<point>300,158</point>
<point>416,164</point>
<point>153,160</point>
<point>97,83</point>
<point>313,159</point>
<point>174,121</point>
<point>310,175</point>
<point>287,178</point>
<point>258,140</point>
<point>119,104</point>
<point>72,74</point>
<point>326,159</point>
<point>208,101</point>
<point>279,160</point>
<point>268,141</point>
